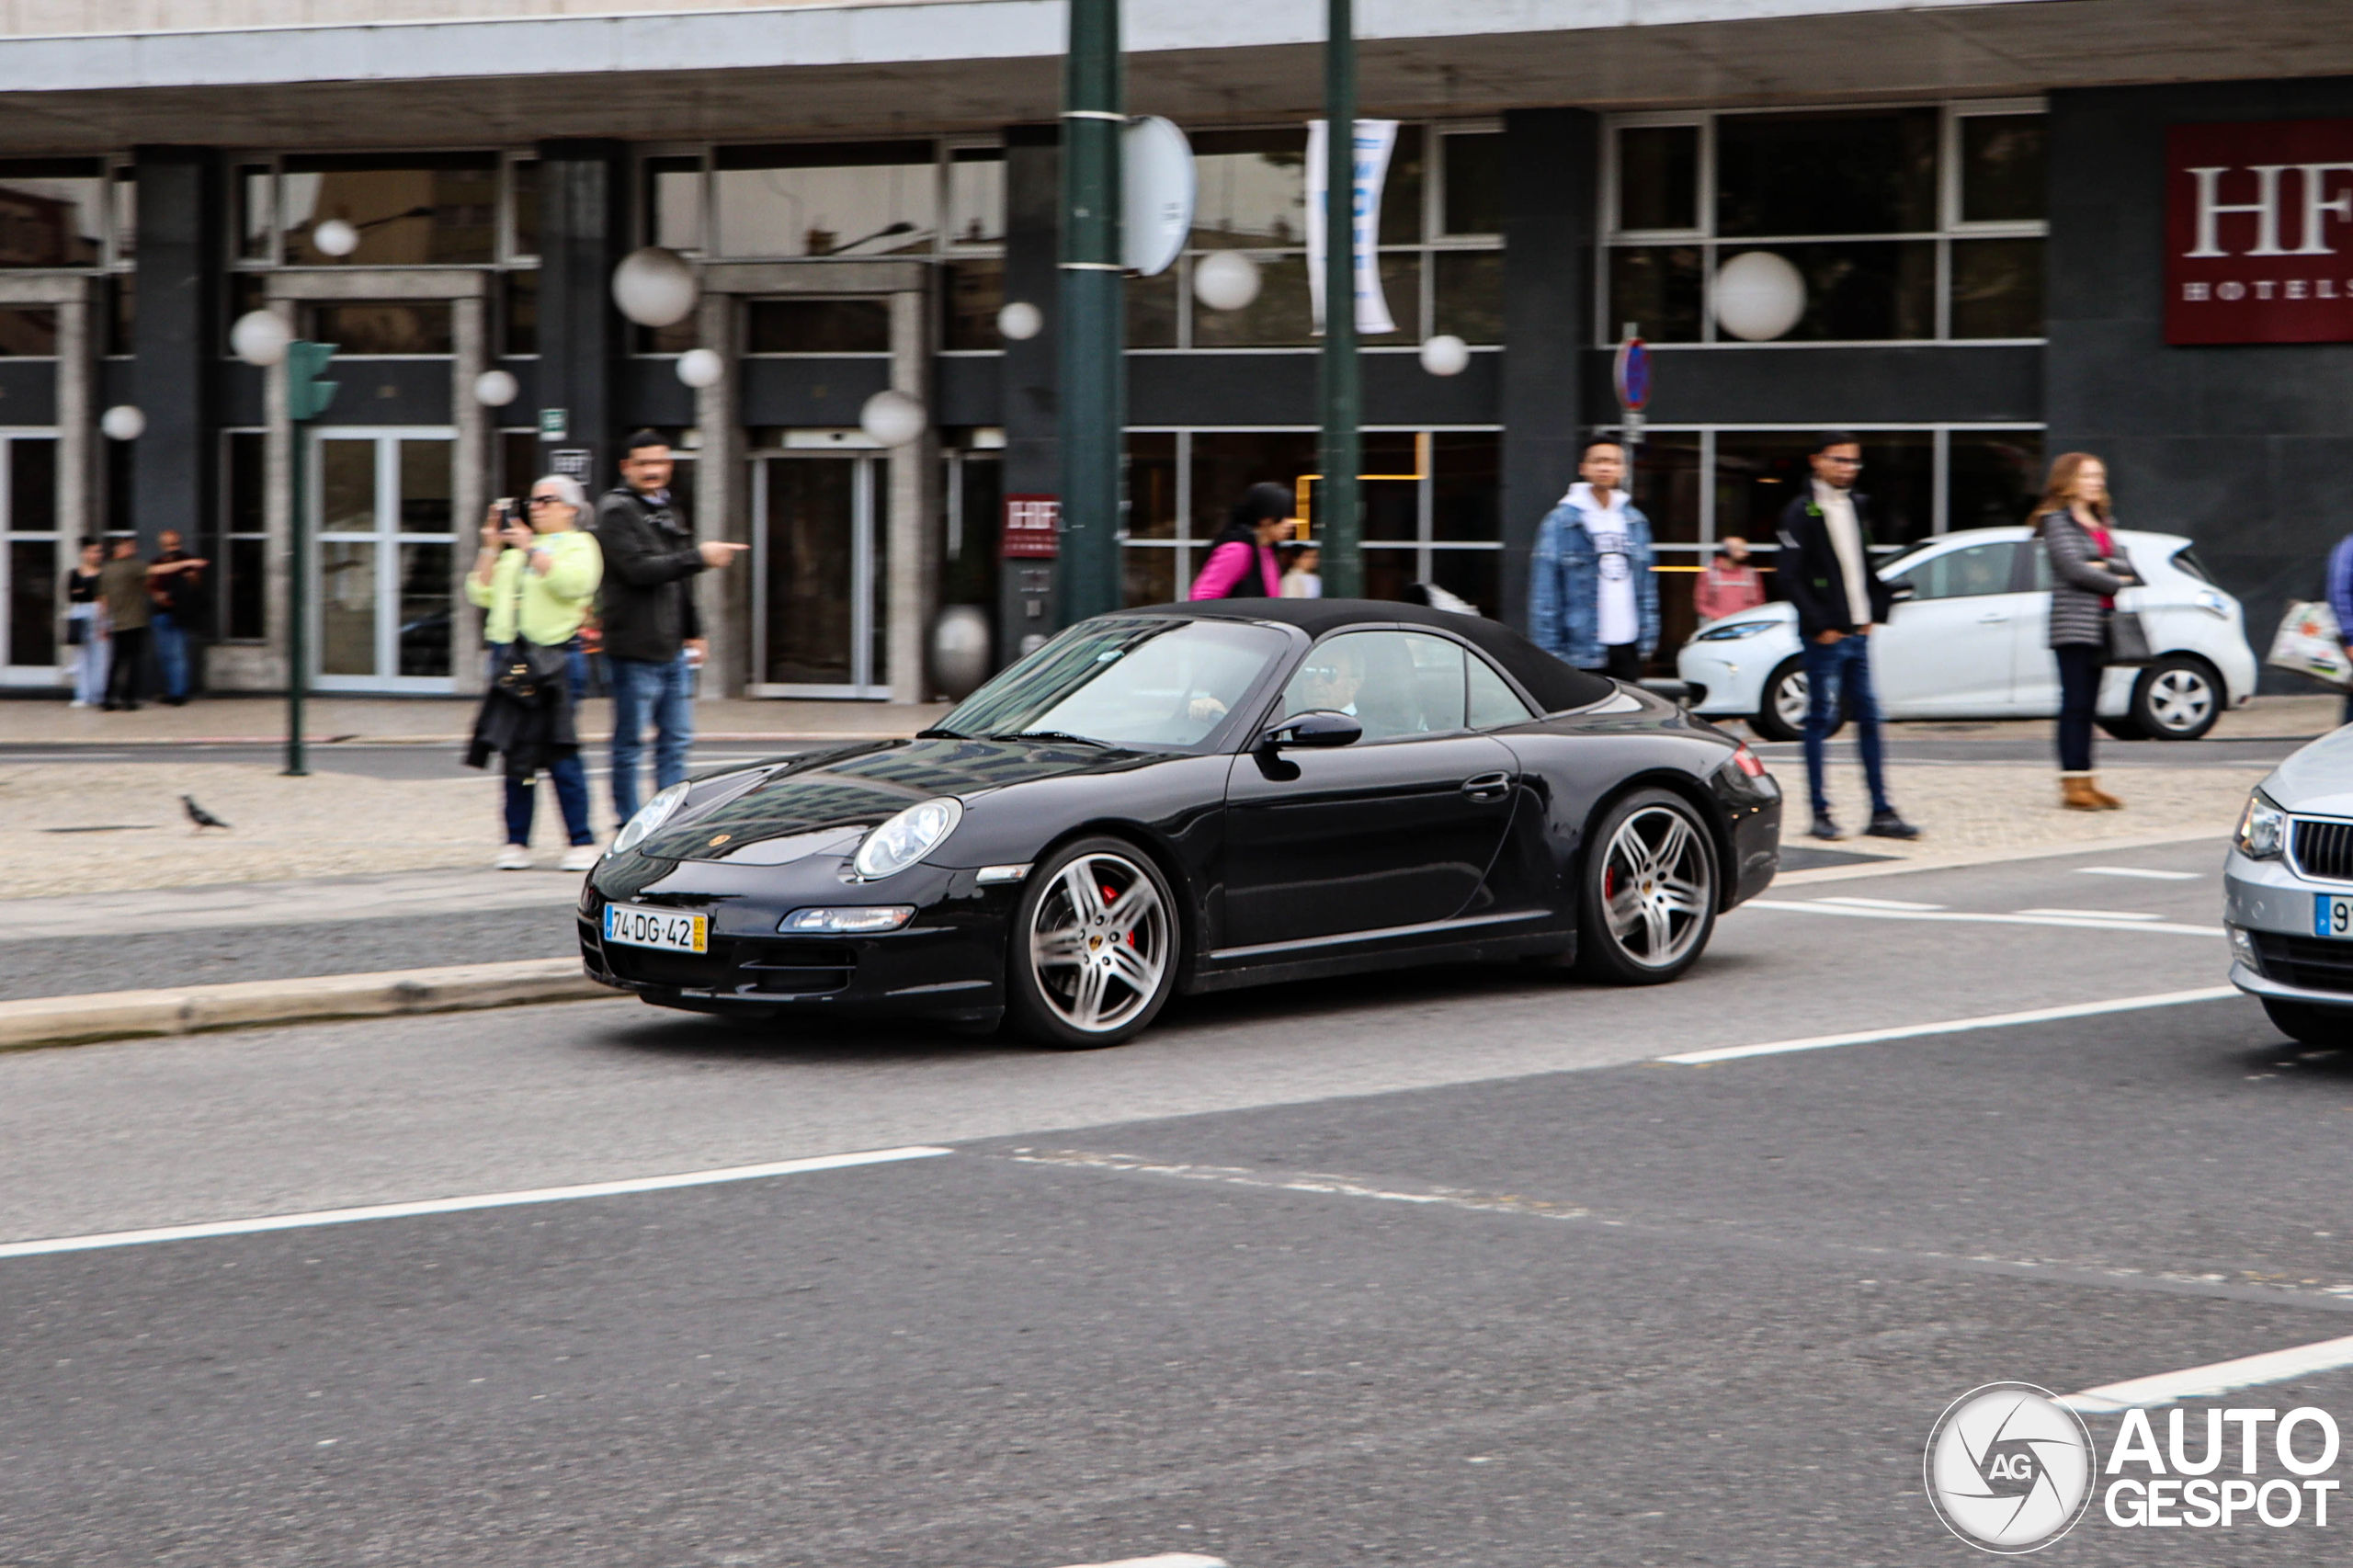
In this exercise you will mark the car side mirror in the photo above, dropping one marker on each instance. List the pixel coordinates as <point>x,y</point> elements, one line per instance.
<point>1317,730</point>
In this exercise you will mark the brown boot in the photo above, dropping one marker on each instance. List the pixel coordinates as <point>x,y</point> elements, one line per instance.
<point>2076,793</point>
<point>2107,802</point>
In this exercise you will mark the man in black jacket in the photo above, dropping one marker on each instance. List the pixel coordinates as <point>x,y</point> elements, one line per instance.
<point>647,610</point>
<point>1824,570</point>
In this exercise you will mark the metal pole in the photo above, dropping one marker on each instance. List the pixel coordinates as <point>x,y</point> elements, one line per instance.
<point>1339,450</point>
<point>298,595</point>
<point>1092,395</point>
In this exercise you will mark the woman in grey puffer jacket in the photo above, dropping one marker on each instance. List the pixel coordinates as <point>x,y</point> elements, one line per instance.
<point>2088,568</point>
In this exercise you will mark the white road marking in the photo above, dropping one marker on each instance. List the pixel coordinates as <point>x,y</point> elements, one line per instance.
<point>2155,876</point>
<point>2221,1377</point>
<point>1952,1025</point>
<point>1166,1560</point>
<point>2106,923</point>
<point>2093,913</point>
<point>1876,903</point>
<point>461,1205</point>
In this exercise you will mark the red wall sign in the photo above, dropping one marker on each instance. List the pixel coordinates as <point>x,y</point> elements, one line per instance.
<point>2259,232</point>
<point>1032,527</point>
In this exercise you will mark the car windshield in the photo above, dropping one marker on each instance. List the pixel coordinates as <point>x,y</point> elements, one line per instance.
<point>1152,682</point>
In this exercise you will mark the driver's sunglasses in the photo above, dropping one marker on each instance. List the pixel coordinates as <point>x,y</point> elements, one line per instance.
<point>544,501</point>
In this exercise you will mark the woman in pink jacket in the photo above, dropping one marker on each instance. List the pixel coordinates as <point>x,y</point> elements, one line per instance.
<point>1242,562</point>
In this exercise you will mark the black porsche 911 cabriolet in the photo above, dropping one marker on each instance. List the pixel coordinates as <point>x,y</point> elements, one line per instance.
<point>1192,797</point>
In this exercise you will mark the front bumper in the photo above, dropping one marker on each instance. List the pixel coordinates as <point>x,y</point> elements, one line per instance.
<point>2268,906</point>
<point>948,962</point>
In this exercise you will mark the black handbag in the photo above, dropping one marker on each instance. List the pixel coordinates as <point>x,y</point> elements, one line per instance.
<point>529,671</point>
<point>2128,639</point>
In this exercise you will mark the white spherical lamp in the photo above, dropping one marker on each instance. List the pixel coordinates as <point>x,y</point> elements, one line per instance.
<point>893,419</point>
<point>1226,281</point>
<point>122,422</point>
<point>655,287</point>
<point>497,389</point>
<point>335,238</point>
<point>1446,355</point>
<point>1759,296</point>
<point>259,337</point>
<point>1020,320</point>
<point>700,368</point>
<point>960,650</point>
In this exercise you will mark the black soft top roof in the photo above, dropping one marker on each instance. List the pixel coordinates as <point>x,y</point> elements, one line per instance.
<point>1555,685</point>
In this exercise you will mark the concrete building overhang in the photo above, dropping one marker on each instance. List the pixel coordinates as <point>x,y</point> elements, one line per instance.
<point>375,79</point>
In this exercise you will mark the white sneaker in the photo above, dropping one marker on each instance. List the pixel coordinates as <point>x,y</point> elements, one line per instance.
<point>579,857</point>
<point>515,858</point>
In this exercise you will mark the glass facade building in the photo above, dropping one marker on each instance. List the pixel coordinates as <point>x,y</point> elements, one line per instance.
<point>1961,273</point>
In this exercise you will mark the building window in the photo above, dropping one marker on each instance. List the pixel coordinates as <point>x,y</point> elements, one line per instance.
<point>1441,221</point>
<point>411,209</point>
<point>863,198</point>
<point>1914,223</point>
<point>817,326</point>
<point>390,327</point>
<point>52,212</point>
<point>28,333</point>
<point>1429,500</point>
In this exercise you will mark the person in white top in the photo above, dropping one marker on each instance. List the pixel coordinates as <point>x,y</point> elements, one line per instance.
<point>1300,580</point>
<point>1824,569</point>
<point>1592,600</point>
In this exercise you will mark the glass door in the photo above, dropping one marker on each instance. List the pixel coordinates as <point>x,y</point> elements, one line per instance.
<point>34,555</point>
<point>818,562</point>
<point>383,558</point>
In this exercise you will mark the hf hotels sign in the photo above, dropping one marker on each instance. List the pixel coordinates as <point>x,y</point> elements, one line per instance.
<point>2259,232</point>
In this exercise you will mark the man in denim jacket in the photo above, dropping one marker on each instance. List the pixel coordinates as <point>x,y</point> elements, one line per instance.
<point>1592,597</point>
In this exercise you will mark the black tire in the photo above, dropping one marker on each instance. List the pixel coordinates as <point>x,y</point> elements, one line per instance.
<point>2177,698</point>
<point>2122,729</point>
<point>1078,975</point>
<point>1780,713</point>
<point>2322,1028</point>
<point>1632,930</point>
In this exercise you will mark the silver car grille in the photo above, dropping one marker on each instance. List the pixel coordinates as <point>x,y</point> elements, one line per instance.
<point>2324,850</point>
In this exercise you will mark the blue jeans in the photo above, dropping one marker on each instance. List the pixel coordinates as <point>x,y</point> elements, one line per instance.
<point>569,774</point>
<point>663,691</point>
<point>171,651</point>
<point>1832,670</point>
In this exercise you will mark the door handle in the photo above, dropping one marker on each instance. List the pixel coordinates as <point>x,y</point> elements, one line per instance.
<point>1487,786</point>
<point>1993,618</point>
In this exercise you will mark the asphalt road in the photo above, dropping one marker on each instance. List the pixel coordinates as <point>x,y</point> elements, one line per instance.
<point>1440,1268</point>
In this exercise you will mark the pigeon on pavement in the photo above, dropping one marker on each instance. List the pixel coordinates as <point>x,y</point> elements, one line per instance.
<point>202,818</point>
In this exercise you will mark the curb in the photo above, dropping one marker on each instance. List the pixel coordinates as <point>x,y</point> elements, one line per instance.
<point>1962,859</point>
<point>118,1015</point>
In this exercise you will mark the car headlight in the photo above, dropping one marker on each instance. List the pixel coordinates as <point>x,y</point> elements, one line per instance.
<point>2263,828</point>
<point>1738,628</point>
<point>651,815</point>
<point>907,837</point>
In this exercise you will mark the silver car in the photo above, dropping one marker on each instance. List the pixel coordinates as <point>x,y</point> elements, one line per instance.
<point>2287,894</point>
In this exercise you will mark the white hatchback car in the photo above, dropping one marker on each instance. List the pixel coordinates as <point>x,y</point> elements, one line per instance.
<point>1967,641</point>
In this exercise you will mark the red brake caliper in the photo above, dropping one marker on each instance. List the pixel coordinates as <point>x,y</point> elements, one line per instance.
<point>1111,897</point>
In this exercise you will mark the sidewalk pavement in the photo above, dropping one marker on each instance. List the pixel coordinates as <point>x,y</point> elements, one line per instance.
<point>44,720</point>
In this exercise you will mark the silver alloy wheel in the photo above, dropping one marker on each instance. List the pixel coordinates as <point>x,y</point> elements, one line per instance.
<point>1656,886</point>
<point>1790,696</point>
<point>1099,943</point>
<point>2180,698</point>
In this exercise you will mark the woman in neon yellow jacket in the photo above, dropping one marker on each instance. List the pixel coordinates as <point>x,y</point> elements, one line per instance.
<point>542,578</point>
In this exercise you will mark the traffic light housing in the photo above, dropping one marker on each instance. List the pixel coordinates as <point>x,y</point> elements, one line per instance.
<point>307,397</point>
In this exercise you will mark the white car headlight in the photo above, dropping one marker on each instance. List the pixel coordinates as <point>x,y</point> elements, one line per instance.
<point>651,815</point>
<point>907,837</point>
<point>2263,828</point>
<point>1737,629</point>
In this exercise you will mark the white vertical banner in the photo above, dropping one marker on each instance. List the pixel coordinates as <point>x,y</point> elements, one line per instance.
<point>1375,140</point>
